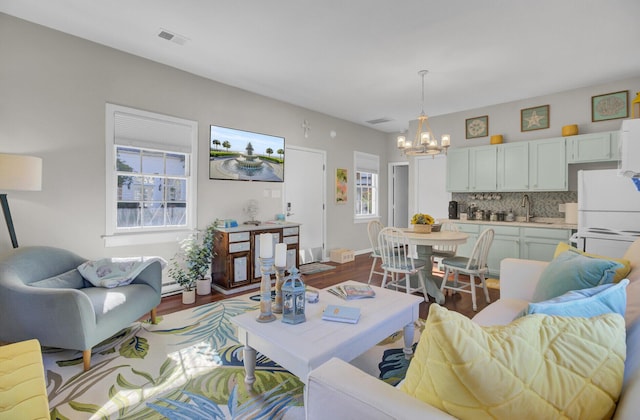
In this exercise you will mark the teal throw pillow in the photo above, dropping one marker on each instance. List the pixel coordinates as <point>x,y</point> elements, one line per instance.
<point>573,271</point>
<point>586,303</point>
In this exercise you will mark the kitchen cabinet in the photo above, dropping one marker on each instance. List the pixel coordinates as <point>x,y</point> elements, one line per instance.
<point>458,170</point>
<point>533,243</point>
<point>540,243</point>
<point>513,166</point>
<point>473,231</point>
<point>548,165</point>
<point>506,244</point>
<point>483,168</point>
<point>236,264</point>
<point>597,147</point>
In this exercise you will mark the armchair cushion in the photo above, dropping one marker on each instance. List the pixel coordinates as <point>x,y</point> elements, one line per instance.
<point>573,271</point>
<point>70,279</point>
<point>548,365</point>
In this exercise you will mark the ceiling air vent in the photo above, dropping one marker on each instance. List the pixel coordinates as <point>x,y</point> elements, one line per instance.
<point>172,36</point>
<point>379,120</point>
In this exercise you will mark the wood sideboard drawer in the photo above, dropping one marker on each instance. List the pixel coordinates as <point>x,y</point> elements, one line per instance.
<point>290,231</point>
<point>290,239</point>
<point>239,236</point>
<point>239,247</point>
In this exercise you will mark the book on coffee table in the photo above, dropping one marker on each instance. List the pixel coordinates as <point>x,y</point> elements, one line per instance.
<point>350,292</point>
<point>340,313</point>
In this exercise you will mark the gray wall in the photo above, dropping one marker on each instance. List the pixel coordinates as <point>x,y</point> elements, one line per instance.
<point>53,90</point>
<point>569,107</point>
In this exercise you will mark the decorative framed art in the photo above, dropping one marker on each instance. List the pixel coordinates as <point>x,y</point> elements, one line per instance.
<point>610,106</point>
<point>536,118</point>
<point>341,186</point>
<point>476,127</point>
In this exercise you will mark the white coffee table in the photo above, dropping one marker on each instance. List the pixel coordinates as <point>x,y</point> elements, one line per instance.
<point>302,347</point>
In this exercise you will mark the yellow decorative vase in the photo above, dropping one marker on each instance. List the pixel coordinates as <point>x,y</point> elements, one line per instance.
<point>422,228</point>
<point>496,139</point>
<point>569,130</point>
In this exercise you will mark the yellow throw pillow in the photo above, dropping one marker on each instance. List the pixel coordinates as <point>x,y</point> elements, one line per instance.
<point>621,273</point>
<point>538,366</point>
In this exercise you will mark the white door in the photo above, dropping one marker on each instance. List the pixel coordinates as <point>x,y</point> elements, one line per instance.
<point>431,192</point>
<point>399,194</point>
<point>305,197</point>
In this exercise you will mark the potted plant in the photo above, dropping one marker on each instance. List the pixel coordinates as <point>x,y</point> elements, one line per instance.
<point>422,222</point>
<point>191,263</point>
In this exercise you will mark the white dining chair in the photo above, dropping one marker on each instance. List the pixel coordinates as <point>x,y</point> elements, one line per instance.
<point>373,228</point>
<point>473,266</point>
<point>444,251</point>
<point>398,262</point>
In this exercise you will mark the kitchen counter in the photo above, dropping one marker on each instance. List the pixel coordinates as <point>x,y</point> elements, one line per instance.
<point>538,222</point>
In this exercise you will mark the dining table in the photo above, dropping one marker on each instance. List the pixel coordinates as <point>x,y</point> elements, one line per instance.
<point>424,243</point>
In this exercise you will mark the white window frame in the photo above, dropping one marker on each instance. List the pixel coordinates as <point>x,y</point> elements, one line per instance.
<point>187,145</point>
<point>366,163</point>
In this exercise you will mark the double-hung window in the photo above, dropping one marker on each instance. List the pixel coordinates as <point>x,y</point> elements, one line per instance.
<point>151,176</point>
<point>366,186</point>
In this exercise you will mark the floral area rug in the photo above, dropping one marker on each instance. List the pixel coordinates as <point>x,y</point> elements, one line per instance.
<point>188,366</point>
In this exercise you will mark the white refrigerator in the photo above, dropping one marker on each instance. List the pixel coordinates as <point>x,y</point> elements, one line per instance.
<point>608,212</point>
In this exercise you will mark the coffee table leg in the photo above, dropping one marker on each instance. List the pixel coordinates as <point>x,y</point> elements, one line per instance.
<point>408,332</point>
<point>249,365</point>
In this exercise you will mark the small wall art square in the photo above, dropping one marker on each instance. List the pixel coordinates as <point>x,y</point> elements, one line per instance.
<point>477,127</point>
<point>341,186</point>
<point>536,118</point>
<point>610,106</point>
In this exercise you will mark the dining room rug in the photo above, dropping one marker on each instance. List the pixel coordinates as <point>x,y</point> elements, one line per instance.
<point>189,365</point>
<point>315,267</point>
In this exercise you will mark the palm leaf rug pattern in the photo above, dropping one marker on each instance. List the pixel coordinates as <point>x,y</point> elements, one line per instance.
<point>189,365</point>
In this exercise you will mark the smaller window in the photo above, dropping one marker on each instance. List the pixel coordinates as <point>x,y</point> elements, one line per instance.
<point>366,194</point>
<point>366,185</point>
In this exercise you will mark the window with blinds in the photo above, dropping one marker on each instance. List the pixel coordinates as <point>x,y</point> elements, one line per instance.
<point>151,176</point>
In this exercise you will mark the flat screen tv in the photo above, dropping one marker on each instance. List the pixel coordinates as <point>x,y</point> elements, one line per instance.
<point>245,156</point>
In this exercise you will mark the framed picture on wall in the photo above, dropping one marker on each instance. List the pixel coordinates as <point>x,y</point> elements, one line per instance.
<point>477,127</point>
<point>341,186</point>
<point>536,118</point>
<point>610,106</point>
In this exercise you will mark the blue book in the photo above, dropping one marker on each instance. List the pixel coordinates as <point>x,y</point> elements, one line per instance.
<point>341,314</point>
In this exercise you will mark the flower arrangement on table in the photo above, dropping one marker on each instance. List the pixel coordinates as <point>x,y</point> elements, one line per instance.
<point>422,222</point>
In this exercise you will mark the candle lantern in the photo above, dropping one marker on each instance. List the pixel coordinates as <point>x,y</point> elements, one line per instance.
<point>293,298</point>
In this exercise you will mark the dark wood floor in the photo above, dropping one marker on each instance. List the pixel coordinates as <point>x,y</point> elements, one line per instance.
<point>357,270</point>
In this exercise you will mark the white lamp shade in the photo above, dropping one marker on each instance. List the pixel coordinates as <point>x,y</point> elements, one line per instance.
<point>20,173</point>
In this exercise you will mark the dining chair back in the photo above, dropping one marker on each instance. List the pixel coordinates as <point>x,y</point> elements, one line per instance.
<point>445,251</point>
<point>373,228</point>
<point>398,262</point>
<point>473,266</point>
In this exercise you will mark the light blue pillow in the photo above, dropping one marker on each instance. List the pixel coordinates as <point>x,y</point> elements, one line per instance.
<point>573,271</point>
<point>586,303</point>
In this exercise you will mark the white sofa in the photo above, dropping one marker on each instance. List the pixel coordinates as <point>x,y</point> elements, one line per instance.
<point>338,390</point>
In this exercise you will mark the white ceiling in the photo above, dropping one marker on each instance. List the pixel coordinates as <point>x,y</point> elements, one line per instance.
<point>359,59</point>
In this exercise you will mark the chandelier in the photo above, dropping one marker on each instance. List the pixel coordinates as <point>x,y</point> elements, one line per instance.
<point>425,143</point>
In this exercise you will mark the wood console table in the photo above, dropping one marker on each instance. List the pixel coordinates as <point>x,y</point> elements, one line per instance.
<point>236,265</point>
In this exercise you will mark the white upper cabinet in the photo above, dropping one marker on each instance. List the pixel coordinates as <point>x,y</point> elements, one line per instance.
<point>483,171</point>
<point>458,170</point>
<point>597,147</point>
<point>548,165</point>
<point>513,166</point>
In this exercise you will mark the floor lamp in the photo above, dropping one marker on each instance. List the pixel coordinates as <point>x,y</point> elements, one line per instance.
<point>18,173</point>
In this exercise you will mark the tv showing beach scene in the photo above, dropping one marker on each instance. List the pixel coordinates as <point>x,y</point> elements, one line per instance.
<point>245,156</point>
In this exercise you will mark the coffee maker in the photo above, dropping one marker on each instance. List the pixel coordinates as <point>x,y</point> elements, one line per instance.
<point>453,209</point>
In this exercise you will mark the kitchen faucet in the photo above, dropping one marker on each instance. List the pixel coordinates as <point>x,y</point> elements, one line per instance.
<point>527,203</point>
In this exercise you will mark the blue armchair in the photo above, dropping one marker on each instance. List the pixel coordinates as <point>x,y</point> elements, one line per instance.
<point>43,296</point>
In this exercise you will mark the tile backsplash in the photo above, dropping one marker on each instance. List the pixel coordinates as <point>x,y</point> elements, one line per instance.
<point>543,204</point>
